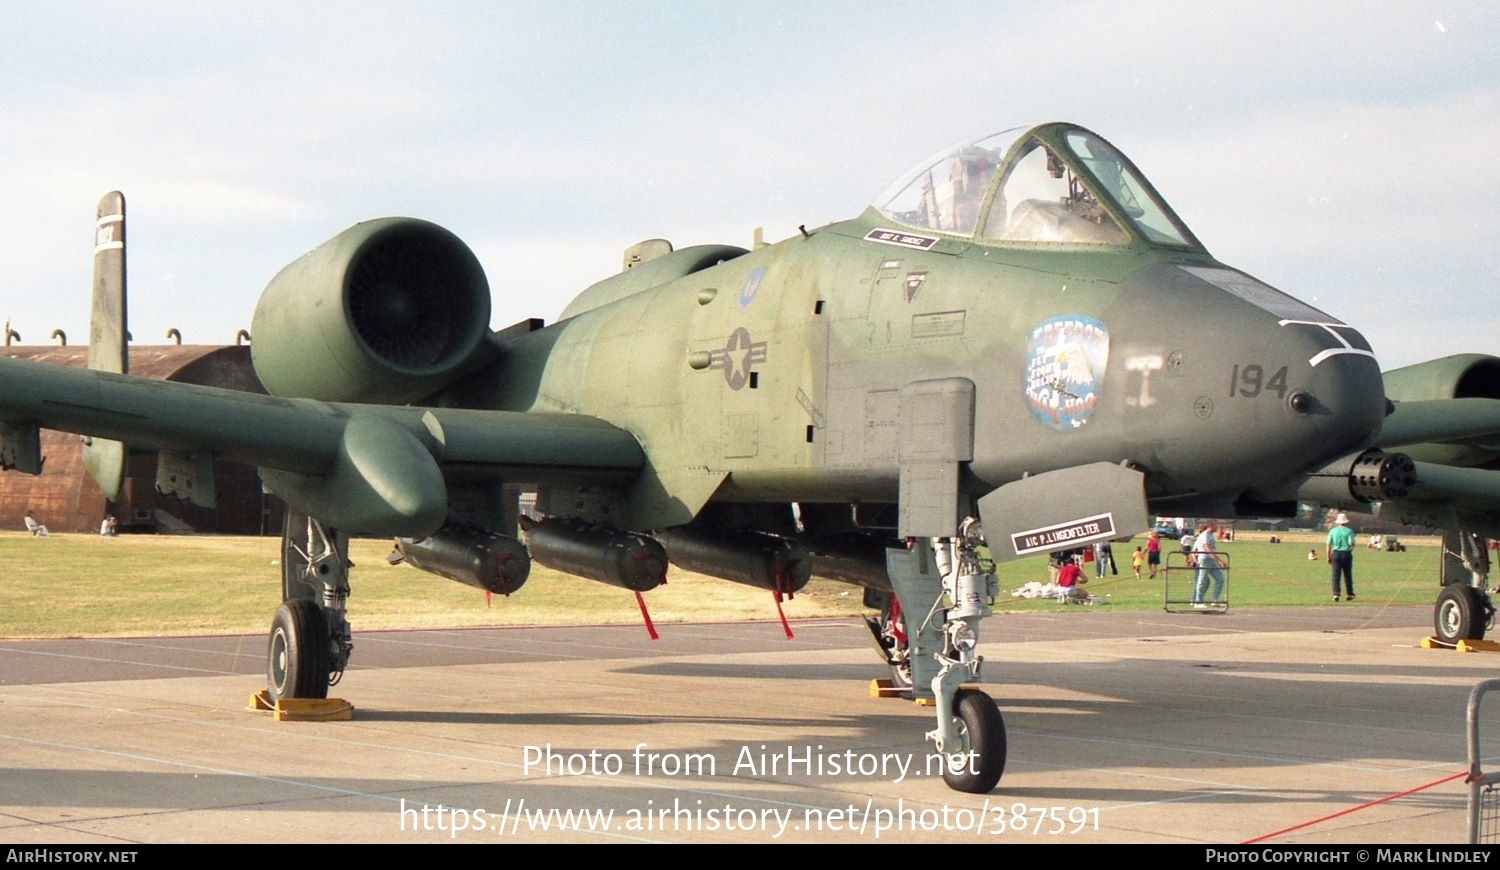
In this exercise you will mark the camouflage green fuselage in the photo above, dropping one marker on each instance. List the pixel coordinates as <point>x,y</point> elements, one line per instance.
<point>776,375</point>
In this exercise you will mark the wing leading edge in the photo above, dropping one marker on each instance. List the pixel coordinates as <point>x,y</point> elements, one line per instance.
<point>373,468</point>
<point>1455,442</point>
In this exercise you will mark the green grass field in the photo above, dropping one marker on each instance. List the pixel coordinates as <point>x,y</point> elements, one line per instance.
<point>1261,575</point>
<point>85,585</point>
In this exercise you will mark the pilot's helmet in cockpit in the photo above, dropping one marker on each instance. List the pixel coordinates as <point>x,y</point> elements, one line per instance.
<point>970,170</point>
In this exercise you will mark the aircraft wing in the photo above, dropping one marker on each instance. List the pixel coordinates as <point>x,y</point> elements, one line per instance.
<point>1475,488</point>
<point>372,468</point>
<point>1470,422</point>
<point>1452,441</point>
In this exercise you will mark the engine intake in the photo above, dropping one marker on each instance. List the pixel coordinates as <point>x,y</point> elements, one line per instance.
<point>388,311</point>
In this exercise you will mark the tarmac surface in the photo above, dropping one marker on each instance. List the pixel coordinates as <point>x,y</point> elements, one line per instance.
<point>1306,725</point>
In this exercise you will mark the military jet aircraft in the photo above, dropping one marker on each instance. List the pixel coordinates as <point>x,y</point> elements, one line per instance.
<point>975,368</point>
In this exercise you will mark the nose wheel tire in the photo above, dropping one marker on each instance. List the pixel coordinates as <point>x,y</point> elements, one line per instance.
<point>983,729</point>
<point>297,656</point>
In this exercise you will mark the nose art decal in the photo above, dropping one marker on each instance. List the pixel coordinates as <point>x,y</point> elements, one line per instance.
<point>1065,362</point>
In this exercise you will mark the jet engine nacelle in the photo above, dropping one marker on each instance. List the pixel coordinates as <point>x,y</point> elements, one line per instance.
<point>484,560</point>
<point>1469,378</point>
<point>1462,376</point>
<point>388,311</point>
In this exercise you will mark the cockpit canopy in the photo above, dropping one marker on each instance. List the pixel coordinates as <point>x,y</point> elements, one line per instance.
<point>1043,183</point>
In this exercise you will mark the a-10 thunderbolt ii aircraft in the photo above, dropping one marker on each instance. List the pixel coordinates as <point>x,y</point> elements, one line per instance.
<point>1020,348</point>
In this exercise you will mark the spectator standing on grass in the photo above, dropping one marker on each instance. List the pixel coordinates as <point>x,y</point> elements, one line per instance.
<point>1103,554</point>
<point>1210,564</point>
<point>1340,552</point>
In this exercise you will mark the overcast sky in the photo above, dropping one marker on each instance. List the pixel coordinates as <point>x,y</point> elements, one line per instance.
<point>1342,152</point>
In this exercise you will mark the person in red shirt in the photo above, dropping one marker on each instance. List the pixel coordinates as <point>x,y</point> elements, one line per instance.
<point>1071,579</point>
<point>1153,552</point>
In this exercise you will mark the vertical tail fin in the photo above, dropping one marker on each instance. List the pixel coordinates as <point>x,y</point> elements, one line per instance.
<point>108,333</point>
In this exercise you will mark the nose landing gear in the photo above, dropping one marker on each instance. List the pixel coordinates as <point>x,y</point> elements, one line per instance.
<point>947,580</point>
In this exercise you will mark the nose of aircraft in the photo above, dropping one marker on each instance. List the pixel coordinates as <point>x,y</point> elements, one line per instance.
<point>1343,396</point>
<point>1277,386</point>
<point>1295,406</point>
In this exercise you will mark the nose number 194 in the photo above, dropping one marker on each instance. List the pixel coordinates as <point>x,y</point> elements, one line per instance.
<point>1249,381</point>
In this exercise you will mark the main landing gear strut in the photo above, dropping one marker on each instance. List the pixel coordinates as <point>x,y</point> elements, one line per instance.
<point>310,639</point>
<point>1463,610</point>
<point>942,587</point>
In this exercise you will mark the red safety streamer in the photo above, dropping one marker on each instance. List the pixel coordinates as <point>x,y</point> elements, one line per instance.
<point>779,612</point>
<point>646,615</point>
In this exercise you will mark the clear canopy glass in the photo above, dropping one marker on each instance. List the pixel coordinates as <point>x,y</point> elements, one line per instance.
<point>945,191</point>
<point>1039,183</point>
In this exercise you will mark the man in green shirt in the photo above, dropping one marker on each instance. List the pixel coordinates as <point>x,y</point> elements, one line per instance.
<point>1341,555</point>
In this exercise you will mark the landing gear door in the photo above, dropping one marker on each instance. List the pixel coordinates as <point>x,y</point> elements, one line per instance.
<point>1063,509</point>
<point>937,434</point>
